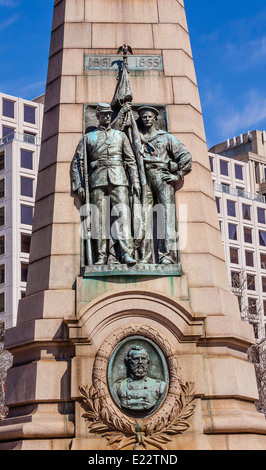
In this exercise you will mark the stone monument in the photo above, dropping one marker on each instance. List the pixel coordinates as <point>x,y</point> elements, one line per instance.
<point>128,337</point>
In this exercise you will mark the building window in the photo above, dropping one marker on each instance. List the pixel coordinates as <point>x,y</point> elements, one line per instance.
<point>246,211</point>
<point>211,163</point>
<point>262,238</point>
<point>26,186</point>
<point>2,302</point>
<point>24,272</point>
<point>263,261</point>
<point>261,215</point>
<point>235,279</point>
<point>8,133</point>
<point>2,245</point>
<point>256,330</point>
<point>232,231</point>
<point>239,172</point>
<point>2,161</point>
<point>26,159</point>
<point>2,216</point>
<point>247,235</point>
<point>233,255</point>
<point>8,108</point>
<point>29,114</point>
<point>225,188</point>
<point>2,273</point>
<point>2,188</point>
<point>263,281</point>
<point>23,294</point>
<point>217,199</point>
<point>251,282</point>
<point>231,208</point>
<point>26,215</point>
<point>29,137</point>
<point>25,243</point>
<point>224,167</point>
<point>249,258</point>
<point>257,172</point>
<point>252,306</point>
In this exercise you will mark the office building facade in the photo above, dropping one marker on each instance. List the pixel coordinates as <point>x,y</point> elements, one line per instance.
<point>239,169</point>
<point>20,138</point>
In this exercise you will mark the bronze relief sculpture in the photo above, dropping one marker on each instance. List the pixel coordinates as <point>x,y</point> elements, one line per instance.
<point>124,173</point>
<point>151,421</point>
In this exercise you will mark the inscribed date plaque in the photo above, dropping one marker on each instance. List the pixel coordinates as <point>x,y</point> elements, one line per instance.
<point>115,62</point>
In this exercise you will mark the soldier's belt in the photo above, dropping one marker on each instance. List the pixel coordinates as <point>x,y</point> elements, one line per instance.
<point>109,164</point>
<point>155,165</point>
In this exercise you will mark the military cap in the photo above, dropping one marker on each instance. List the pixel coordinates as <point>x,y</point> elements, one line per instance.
<point>103,108</point>
<point>148,108</point>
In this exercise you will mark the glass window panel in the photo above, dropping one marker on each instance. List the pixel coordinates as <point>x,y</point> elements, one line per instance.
<point>263,261</point>
<point>232,231</point>
<point>26,159</point>
<point>2,161</point>
<point>26,215</point>
<point>211,163</point>
<point>263,281</point>
<point>250,282</point>
<point>224,167</point>
<point>225,188</point>
<point>246,212</point>
<point>2,274</point>
<point>29,137</point>
<point>218,204</point>
<point>2,245</point>
<point>261,215</point>
<point>2,188</point>
<point>262,238</point>
<point>249,258</point>
<point>233,255</point>
<point>24,272</point>
<point>252,306</point>
<point>25,243</point>
<point>8,108</point>
<point>235,279</point>
<point>2,216</point>
<point>29,114</point>
<point>26,186</point>
<point>2,302</point>
<point>8,131</point>
<point>231,208</point>
<point>247,235</point>
<point>239,172</point>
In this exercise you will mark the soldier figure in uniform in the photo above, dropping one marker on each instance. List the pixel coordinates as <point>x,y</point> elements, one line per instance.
<point>109,158</point>
<point>138,392</point>
<point>166,161</point>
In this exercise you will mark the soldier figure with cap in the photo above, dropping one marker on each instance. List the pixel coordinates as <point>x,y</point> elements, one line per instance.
<point>166,161</point>
<point>109,157</point>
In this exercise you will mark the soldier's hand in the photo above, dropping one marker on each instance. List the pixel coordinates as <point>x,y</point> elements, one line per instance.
<point>126,107</point>
<point>81,193</point>
<point>170,178</point>
<point>136,190</point>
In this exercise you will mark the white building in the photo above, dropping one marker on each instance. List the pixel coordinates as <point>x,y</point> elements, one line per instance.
<point>20,138</point>
<point>239,170</point>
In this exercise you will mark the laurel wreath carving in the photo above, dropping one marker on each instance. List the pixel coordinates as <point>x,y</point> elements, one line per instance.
<point>120,430</point>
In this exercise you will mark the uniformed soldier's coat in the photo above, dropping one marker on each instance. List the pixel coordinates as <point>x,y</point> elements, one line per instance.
<point>109,156</point>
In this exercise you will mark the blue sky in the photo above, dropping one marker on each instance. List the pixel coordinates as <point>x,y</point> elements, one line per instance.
<point>228,39</point>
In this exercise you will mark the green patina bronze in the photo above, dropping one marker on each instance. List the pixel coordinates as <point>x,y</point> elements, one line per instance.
<point>138,376</point>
